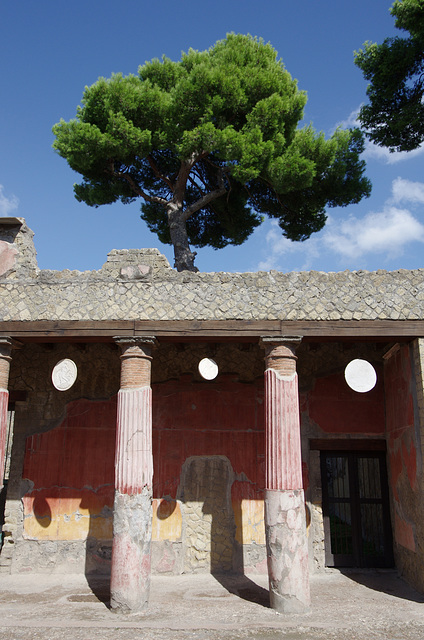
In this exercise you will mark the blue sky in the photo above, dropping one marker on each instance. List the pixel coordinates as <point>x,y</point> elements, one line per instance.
<point>51,49</point>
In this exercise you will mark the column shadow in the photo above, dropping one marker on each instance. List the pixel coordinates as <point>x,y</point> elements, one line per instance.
<point>99,583</point>
<point>385,581</point>
<point>237,582</point>
<point>98,560</point>
<point>245,588</point>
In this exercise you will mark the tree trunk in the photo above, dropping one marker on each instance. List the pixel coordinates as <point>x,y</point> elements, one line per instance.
<point>184,256</point>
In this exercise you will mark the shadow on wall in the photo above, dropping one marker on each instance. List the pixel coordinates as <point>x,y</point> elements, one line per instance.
<point>44,517</point>
<point>72,501</point>
<point>64,515</point>
<point>70,507</point>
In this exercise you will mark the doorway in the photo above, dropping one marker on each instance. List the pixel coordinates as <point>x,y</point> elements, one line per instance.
<point>356,509</point>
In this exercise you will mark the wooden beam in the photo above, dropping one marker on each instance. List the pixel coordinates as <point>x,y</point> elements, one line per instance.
<point>395,330</point>
<point>351,444</point>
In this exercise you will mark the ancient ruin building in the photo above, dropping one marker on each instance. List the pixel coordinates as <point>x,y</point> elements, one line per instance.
<point>264,459</point>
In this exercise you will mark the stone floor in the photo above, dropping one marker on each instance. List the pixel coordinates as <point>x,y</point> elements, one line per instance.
<point>371,605</point>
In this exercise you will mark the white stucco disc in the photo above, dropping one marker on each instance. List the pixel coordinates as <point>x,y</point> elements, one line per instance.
<point>360,375</point>
<point>208,368</point>
<point>64,374</point>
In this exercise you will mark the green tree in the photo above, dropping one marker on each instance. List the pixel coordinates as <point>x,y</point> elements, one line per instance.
<point>211,145</point>
<point>394,117</point>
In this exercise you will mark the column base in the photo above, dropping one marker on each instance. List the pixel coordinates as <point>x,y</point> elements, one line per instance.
<point>287,551</point>
<point>131,552</point>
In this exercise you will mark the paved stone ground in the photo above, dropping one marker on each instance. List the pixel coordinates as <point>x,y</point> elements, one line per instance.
<point>373,605</point>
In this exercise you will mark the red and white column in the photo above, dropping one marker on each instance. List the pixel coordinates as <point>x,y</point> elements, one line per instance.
<point>5,359</point>
<point>285,521</point>
<point>132,519</point>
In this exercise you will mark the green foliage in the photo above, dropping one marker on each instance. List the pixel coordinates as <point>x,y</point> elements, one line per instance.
<point>394,117</point>
<point>214,138</point>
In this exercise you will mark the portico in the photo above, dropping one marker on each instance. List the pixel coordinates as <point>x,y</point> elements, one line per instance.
<point>142,466</point>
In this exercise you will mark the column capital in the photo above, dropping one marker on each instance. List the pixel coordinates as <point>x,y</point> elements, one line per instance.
<point>136,359</point>
<point>274,341</point>
<point>7,344</point>
<point>135,341</point>
<point>280,353</point>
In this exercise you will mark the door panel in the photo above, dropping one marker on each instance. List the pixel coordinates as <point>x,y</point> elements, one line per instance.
<point>356,510</point>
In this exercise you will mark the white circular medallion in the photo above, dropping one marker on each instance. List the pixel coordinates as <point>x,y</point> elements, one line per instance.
<point>64,374</point>
<point>208,368</point>
<point>360,375</point>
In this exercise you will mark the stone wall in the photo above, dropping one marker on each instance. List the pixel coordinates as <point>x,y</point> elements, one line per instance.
<point>140,285</point>
<point>18,258</point>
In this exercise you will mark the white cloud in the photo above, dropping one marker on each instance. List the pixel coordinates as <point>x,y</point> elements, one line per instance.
<point>279,248</point>
<point>351,121</point>
<point>387,232</point>
<point>7,205</point>
<point>381,153</point>
<point>351,240</point>
<point>407,191</point>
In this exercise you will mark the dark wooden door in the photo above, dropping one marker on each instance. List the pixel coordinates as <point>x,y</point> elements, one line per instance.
<point>356,509</point>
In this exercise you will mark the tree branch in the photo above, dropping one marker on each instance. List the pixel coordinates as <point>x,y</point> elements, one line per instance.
<point>157,173</point>
<point>134,186</point>
<point>196,184</point>
<point>209,197</point>
<point>183,175</point>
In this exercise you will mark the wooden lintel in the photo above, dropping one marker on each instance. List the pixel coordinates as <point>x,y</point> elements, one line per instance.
<point>350,444</point>
<point>393,330</point>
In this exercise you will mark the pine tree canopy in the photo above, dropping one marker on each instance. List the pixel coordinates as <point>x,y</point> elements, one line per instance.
<point>394,117</point>
<point>211,145</point>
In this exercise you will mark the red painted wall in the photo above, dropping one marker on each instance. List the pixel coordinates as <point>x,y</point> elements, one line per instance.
<point>223,418</point>
<point>75,461</point>
<point>72,466</point>
<point>401,444</point>
<point>337,409</point>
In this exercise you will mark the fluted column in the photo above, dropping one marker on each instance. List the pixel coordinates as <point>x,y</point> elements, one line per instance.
<point>132,519</point>
<point>5,359</point>
<point>285,522</point>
